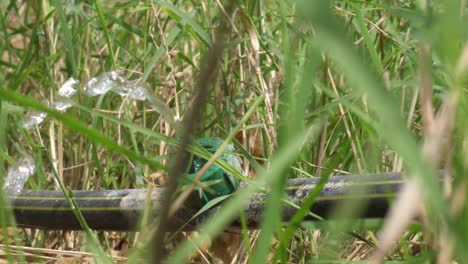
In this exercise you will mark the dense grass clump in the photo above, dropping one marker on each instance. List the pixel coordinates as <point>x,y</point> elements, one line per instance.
<point>301,88</point>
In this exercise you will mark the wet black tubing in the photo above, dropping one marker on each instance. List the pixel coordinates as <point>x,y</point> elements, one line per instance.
<point>121,209</point>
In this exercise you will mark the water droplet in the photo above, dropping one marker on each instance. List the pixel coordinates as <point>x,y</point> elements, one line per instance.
<point>96,86</point>
<point>139,92</point>
<point>69,88</point>
<point>104,83</point>
<point>115,82</point>
<point>33,118</point>
<point>62,104</point>
<point>18,174</point>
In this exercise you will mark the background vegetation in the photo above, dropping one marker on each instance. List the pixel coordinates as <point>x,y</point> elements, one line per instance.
<point>343,87</point>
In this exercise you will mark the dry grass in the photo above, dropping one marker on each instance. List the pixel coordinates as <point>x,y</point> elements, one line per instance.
<point>386,82</point>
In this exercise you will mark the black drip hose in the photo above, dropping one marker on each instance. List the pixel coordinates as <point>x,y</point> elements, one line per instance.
<point>121,209</point>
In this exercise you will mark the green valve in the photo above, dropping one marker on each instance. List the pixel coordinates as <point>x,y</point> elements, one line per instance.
<point>214,182</point>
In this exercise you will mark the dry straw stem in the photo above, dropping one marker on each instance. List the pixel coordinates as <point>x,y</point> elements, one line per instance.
<point>346,123</point>
<point>437,140</point>
<point>374,26</point>
<point>55,254</point>
<point>426,86</point>
<point>191,120</point>
<point>407,205</point>
<point>446,244</point>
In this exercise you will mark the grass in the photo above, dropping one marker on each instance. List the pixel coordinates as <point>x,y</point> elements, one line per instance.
<point>332,88</point>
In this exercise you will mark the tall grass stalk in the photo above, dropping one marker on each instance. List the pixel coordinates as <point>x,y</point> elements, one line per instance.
<point>302,89</point>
